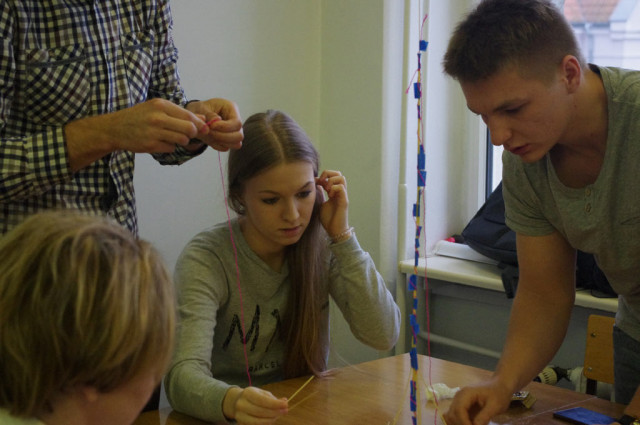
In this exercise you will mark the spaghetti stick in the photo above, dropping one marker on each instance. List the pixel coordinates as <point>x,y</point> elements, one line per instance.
<point>302,401</point>
<point>300,389</point>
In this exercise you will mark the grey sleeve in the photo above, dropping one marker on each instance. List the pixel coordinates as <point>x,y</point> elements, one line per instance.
<point>189,384</point>
<point>362,296</point>
<point>521,189</point>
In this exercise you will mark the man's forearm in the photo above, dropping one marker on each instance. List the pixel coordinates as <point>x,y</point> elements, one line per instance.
<point>86,143</point>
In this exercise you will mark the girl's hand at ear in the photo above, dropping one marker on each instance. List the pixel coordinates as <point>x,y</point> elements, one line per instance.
<point>253,406</point>
<point>335,206</point>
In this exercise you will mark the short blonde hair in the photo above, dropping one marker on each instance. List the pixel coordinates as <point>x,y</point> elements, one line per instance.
<point>82,302</point>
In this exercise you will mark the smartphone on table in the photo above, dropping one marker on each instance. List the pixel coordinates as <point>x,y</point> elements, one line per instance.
<point>582,416</point>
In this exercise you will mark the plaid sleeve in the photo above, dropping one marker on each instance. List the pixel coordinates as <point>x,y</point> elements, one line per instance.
<point>7,75</point>
<point>32,165</point>
<point>28,164</point>
<point>165,82</point>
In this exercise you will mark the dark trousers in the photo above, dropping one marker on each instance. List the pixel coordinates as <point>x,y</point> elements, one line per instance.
<point>626,360</point>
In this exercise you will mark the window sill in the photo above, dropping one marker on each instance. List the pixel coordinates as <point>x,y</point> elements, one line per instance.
<point>487,276</point>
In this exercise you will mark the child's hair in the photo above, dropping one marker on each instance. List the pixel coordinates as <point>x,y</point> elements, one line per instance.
<point>82,303</point>
<point>532,35</point>
<point>273,138</point>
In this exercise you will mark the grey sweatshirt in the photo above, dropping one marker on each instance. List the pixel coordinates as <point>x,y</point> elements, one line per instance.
<point>210,357</point>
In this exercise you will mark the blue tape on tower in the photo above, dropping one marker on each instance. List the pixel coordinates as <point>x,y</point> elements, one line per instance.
<point>423,45</point>
<point>421,158</point>
<point>417,90</point>
<point>412,282</point>
<point>422,178</point>
<point>414,358</point>
<point>414,326</point>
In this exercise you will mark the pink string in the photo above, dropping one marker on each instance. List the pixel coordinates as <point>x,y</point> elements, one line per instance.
<point>416,71</point>
<point>235,255</point>
<point>422,25</point>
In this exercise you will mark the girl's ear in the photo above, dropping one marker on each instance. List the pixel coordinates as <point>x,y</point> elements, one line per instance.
<point>242,209</point>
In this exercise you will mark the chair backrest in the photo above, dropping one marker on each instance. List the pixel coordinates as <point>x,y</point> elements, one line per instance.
<point>598,354</point>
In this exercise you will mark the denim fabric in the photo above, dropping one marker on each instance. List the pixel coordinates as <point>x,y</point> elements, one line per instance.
<point>626,359</point>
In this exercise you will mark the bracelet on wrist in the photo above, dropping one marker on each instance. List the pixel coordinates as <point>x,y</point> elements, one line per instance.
<point>342,236</point>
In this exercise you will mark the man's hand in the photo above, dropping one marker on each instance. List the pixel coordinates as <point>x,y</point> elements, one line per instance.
<point>154,126</point>
<point>476,405</point>
<point>224,125</point>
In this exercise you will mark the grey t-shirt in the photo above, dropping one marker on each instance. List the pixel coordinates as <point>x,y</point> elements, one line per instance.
<point>602,218</point>
<point>210,355</point>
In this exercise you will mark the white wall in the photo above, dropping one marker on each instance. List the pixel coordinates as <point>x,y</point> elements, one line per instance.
<point>352,138</point>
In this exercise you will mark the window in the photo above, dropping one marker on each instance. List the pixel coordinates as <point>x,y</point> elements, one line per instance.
<point>609,34</point>
<point>494,166</point>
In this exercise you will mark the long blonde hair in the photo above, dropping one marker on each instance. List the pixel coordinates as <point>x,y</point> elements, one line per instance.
<point>272,138</point>
<point>82,302</point>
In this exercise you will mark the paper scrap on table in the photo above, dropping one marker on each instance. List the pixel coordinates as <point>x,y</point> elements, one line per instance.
<point>441,392</point>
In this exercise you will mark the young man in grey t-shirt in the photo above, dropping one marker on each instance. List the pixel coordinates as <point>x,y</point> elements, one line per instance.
<point>571,147</point>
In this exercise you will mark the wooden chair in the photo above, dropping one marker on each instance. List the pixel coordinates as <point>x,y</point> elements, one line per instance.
<point>598,354</point>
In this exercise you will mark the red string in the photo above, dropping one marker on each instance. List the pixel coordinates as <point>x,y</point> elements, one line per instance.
<point>416,71</point>
<point>235,255</point>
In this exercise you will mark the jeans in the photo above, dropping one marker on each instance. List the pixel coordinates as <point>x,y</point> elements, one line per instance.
<point>626,360</point>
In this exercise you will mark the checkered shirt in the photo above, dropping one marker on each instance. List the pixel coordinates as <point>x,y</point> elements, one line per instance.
<point>61,60</point>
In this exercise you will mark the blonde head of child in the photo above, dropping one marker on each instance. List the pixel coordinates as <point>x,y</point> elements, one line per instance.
<point>87,320</point>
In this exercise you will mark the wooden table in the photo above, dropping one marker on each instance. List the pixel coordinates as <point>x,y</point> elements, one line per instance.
<point>377,393</point>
